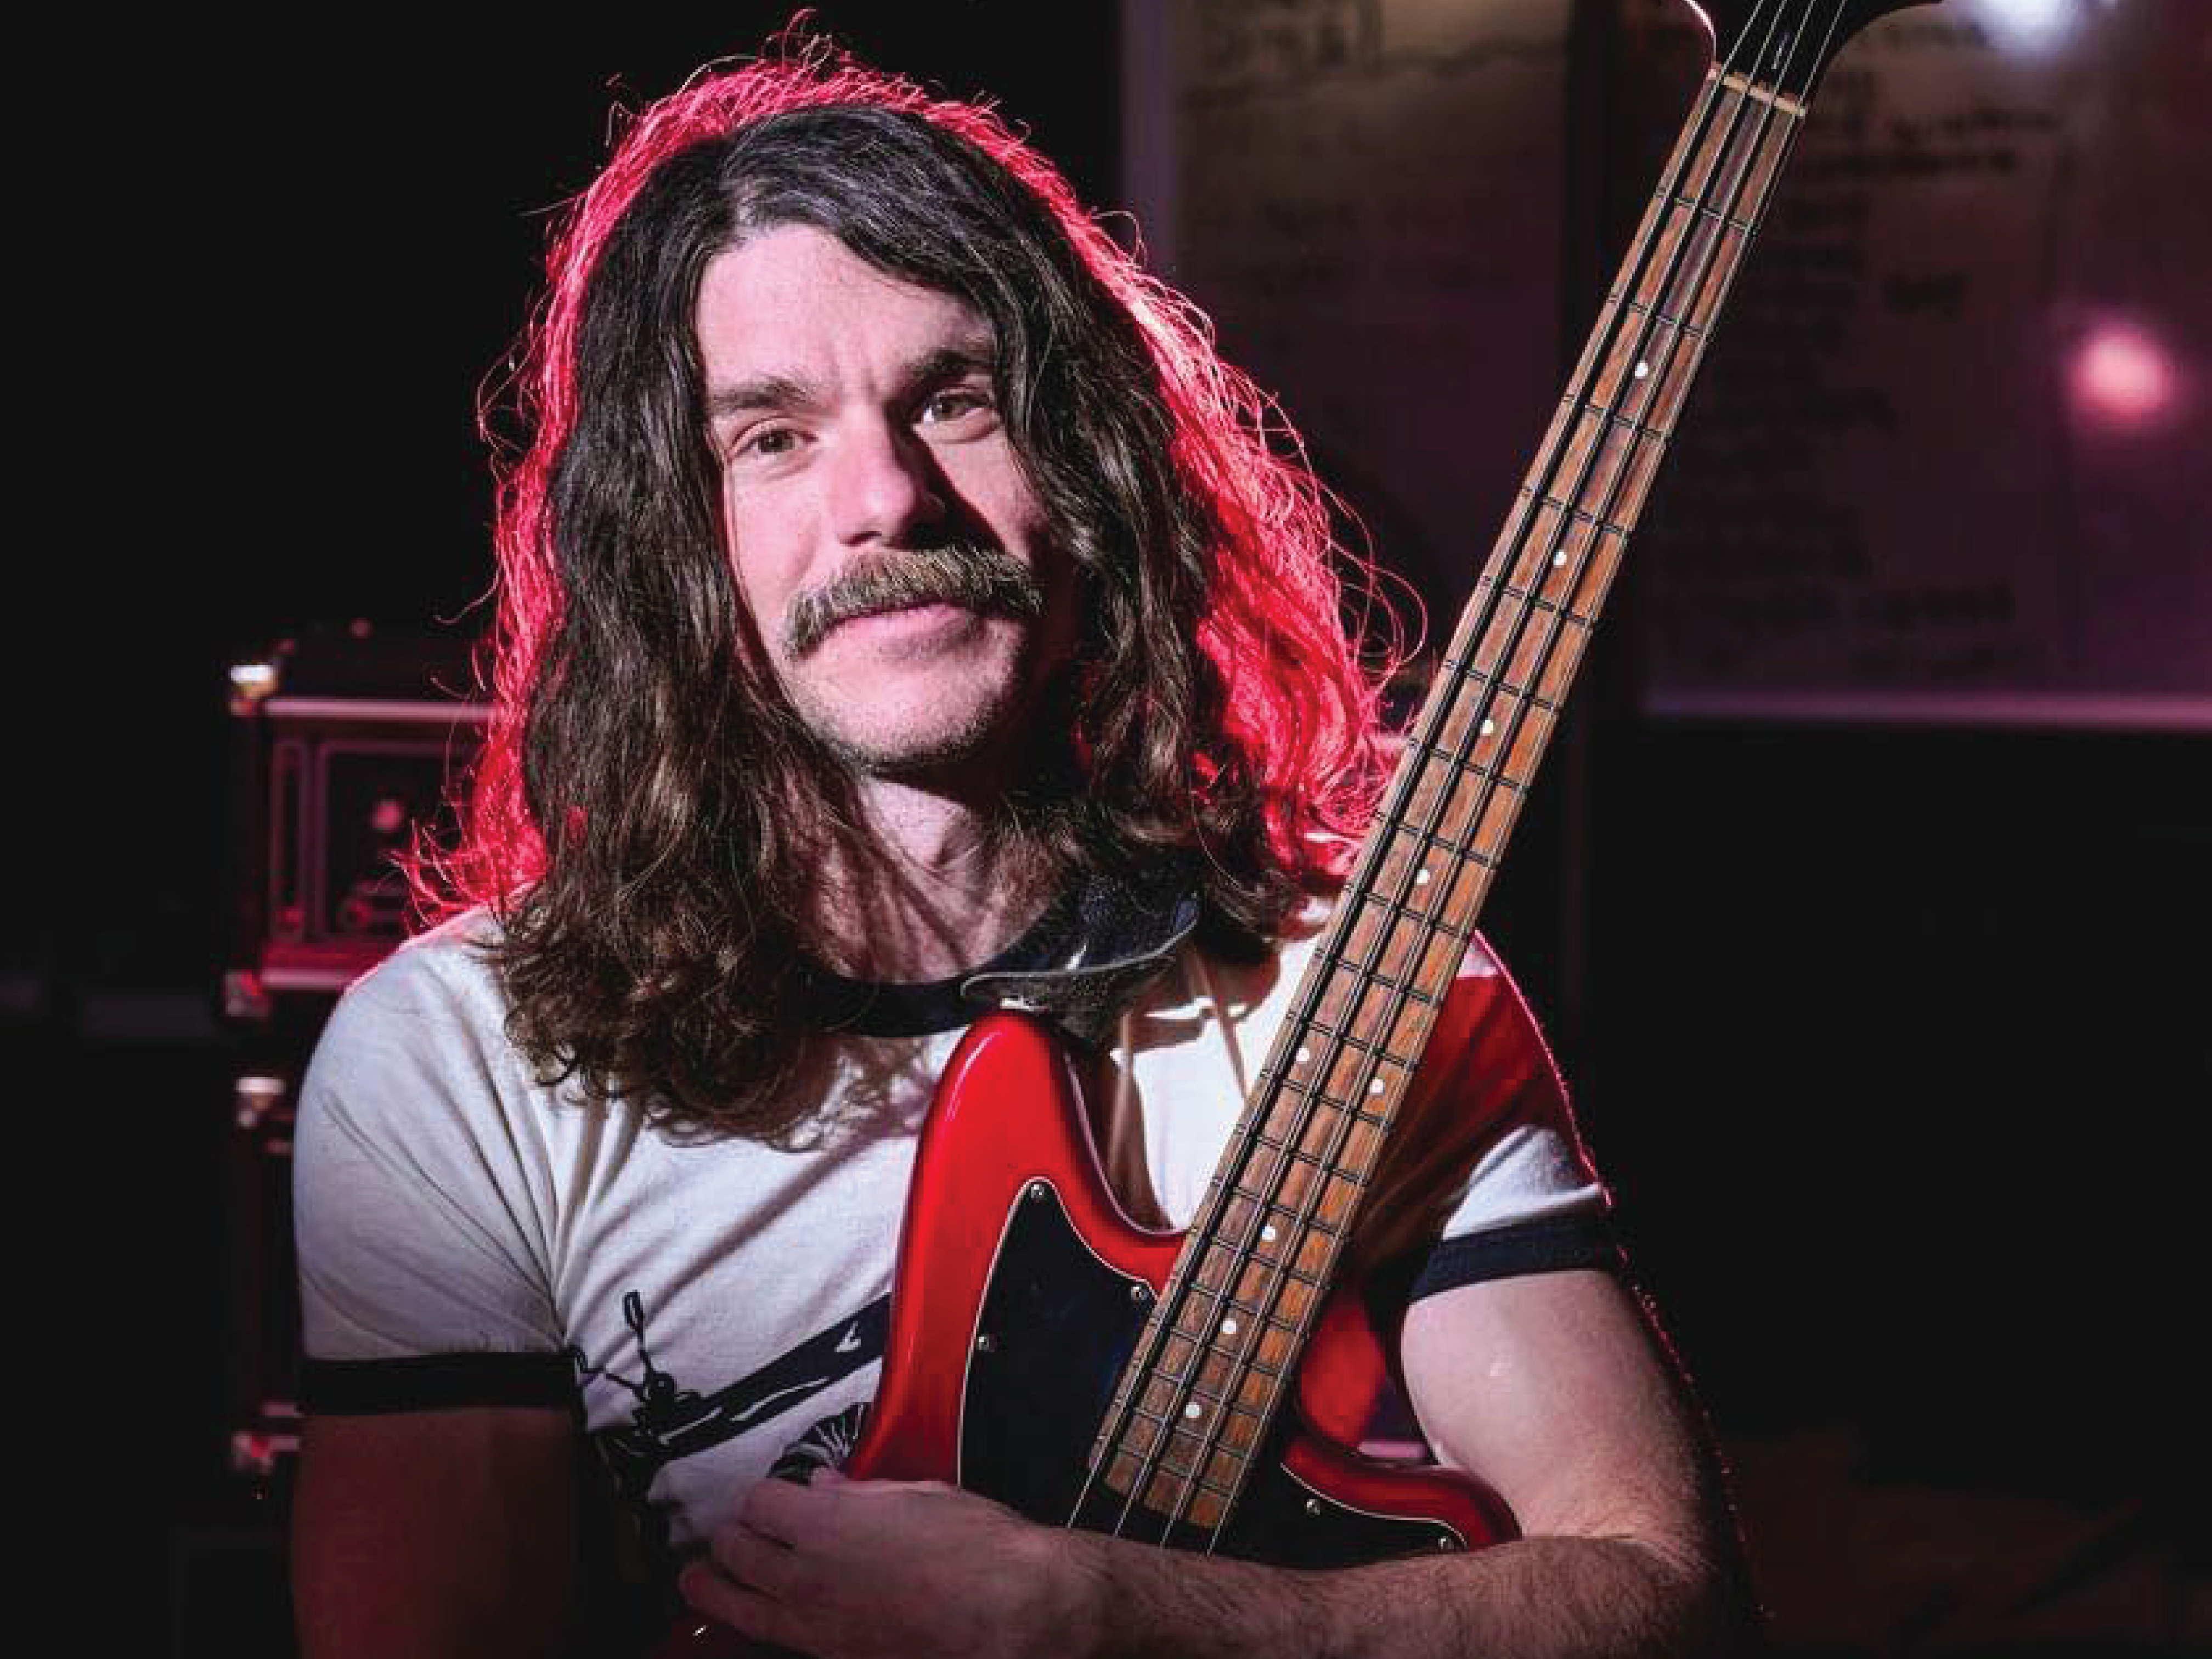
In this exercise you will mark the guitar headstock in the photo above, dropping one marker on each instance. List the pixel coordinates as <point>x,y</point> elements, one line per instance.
<point>1785,45</point>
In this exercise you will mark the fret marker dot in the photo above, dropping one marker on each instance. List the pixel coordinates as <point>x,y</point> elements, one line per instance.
<point>1642,371</point>
<point>1228,1327</point>
<point>1488,728</point>
<point>1420,878</point>
<point>1303,1056</point>
<point>1192,1411</point>
<point>1559,558</point>
<point>1267,1233</point>
<point>1375,1087</point>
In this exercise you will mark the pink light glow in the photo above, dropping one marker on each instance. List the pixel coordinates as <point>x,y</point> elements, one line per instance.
<point>2121,377</point>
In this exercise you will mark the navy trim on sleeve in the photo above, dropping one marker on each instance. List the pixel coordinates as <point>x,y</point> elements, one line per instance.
<point>1556,1245</point>
<point>366,1388</point>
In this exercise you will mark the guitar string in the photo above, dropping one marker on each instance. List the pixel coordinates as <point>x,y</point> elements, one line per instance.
<point>1240,1364</point>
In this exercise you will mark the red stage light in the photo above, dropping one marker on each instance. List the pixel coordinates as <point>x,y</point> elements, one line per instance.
<point>2121,378</point>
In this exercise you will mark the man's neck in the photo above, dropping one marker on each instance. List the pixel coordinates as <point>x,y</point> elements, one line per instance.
<point>934,886</point>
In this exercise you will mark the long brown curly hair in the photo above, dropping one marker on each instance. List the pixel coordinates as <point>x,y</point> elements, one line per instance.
<point>629,820</point>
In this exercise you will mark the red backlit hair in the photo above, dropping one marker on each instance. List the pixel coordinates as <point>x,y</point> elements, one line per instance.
<point>624,821</point>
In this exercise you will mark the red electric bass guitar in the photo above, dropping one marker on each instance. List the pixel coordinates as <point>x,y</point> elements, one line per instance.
<point>1047,1352</point>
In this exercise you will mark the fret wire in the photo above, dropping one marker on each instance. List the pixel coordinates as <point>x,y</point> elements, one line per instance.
<point>1412,992</point>
<point>1445,844</point>
<point>1515,693</point>
<point>1316,1224</point>
<point>1291,1269</point>
<point>1212,1487</point>
<point>1436,751</point>
<point>1322,1029</point>
<point>1521,695</point>
<point>1580,514</point>
<point>1357,1114</point>
<point>1397,921</point>
<point>1360,1045</point>
<point>1244,1310</point>
<point>1493,775</point>
<point>1625,423</point>
<point>1435,921</point>
<point>1176,1424</point>
<point>1255,1364</point>
<point>1573,618</point>
<point>1160,1432</point>
<point>1625,302</point>
<point>1275,1145</point>
<point>1273,1209</point>
<point>1345,1041</point>
<point>1357,1045</point>
<point>1312,1091</point>
<point>1710,213</point>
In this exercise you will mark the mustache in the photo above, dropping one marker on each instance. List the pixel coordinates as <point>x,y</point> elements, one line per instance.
<point>966,574</point>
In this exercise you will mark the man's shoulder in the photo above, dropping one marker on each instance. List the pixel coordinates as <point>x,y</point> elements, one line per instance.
<point>438,994</point>
<point>450,964</point>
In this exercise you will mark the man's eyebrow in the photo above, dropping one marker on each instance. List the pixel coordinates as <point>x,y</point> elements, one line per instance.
<point>778,392</point>
<point>976,355</point>
<point>761,391</point>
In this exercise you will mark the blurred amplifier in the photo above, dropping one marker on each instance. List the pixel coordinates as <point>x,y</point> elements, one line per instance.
<point>348,747</point>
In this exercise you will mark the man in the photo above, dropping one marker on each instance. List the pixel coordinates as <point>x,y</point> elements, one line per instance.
<point>896,589</point>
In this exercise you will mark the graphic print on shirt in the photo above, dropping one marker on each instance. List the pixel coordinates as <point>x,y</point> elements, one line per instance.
<point>670,1421</point>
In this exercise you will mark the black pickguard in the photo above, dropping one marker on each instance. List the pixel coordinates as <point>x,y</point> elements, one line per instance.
<point>1058,1325</point>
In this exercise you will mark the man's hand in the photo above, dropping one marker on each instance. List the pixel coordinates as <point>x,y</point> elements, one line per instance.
<point>1551,1384</point>
<point>852,1568</point>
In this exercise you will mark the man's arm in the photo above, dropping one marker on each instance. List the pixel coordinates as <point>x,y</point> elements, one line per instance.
<point>1552,1385</point>
<point>436,1533</point>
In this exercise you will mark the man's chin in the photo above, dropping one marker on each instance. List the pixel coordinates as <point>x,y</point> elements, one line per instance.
<point>942,724</point>
<point>920,757</point>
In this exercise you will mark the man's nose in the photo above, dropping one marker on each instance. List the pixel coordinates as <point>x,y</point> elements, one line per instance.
<point>884,485</point>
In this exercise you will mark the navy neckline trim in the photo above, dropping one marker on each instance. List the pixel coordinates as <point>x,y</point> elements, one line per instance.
<point>893,1008</point>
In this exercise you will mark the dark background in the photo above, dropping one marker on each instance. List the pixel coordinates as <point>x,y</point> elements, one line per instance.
<point>1892,1042</point>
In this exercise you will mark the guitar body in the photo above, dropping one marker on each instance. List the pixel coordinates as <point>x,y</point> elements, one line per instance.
<point>1021,1293</point>
<point>1022,1290</point>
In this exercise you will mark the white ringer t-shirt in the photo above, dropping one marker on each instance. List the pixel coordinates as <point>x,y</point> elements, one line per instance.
<point>470,1236</point>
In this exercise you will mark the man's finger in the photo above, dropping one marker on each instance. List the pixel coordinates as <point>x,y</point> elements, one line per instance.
<point>779,1509</point>
<point>759,1563</point>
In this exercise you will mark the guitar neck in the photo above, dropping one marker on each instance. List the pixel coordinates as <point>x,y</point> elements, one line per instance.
<point>1204,1385</point>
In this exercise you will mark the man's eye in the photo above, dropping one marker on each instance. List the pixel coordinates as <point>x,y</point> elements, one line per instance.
<point>768,440</point>
<point>952,405</point>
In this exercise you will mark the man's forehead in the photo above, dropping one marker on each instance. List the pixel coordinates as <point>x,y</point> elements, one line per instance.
<point>794,303</point>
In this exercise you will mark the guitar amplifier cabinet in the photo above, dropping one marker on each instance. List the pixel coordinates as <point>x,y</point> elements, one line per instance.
<point>347,749</point>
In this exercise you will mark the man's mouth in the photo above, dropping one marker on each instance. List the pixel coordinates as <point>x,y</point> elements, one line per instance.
<point>921,614</point>
<point>931,585</point>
